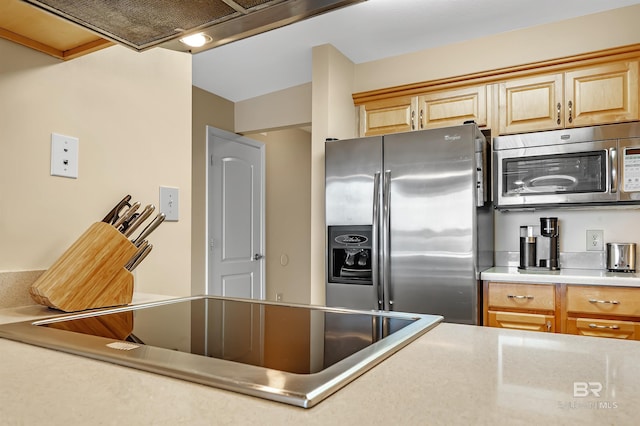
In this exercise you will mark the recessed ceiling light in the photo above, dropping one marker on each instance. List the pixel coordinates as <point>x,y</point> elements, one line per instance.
<point>196,40</point>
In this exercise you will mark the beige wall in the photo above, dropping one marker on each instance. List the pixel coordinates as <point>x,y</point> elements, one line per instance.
<point>277,110</point>
<point>132,114</point>
<point>215,111</point>
<point>288,226</point>
<point>334,116</point>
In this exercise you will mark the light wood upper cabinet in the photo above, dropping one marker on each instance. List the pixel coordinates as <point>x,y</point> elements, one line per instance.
<point>602,94</point>
<point>584,90</point>
<point>587,96</point>
<point>531,104</point>
<point>431,110</point>
<point>453,107</point>
<point>388,116</point>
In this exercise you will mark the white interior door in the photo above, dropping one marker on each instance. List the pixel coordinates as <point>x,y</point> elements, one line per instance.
<point>235,215</point>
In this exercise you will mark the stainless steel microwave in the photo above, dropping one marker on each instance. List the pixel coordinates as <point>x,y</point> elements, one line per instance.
<point>597,165</point>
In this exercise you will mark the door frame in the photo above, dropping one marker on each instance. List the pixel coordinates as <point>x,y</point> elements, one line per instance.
<point>229,136</point>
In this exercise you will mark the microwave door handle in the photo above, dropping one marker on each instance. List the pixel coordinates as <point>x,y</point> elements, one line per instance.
<point>613,175</point>
<point>375,244</point>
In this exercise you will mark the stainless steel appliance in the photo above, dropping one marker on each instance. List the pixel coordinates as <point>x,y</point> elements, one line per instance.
<point>296,354</point>
<point>423,197</point>
<point>528,248</point>
<point>584,166</point>
<point>621,257</point>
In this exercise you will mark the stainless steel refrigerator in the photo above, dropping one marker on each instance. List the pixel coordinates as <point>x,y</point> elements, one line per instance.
<point>409,222</point>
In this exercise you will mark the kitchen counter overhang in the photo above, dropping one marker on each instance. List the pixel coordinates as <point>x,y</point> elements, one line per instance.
<point>454,374</point>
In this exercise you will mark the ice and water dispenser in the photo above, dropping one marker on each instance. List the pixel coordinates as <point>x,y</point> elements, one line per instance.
<point>350,254</point>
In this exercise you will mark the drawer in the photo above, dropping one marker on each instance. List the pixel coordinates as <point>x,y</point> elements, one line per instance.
<point>519,321</point>
<point>522,296</point>
<point>604,300</point>
<point>604,328</point>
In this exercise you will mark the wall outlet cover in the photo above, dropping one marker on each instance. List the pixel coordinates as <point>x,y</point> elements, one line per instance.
<point>595,240</point>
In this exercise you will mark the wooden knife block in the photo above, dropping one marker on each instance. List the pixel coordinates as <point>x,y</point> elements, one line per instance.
<point>90,274</point>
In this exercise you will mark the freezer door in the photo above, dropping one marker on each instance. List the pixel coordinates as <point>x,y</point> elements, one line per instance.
<point>431,186</point>
<point>352,167</point>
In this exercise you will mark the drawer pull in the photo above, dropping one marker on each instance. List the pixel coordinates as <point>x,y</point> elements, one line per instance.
<point>612,302</point>
<point>610,327</point>
<point>511,296</point>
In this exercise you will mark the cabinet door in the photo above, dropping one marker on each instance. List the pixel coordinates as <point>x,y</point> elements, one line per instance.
<point>522,296</point>
<point>519,321</point>
<point>453,107</point>
<point>604,328</point>
<point>603,300</point>
<point>603,94</point>
<point>388,116</point>
<point>531,104</point>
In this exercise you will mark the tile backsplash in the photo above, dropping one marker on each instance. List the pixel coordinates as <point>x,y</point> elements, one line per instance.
<point>14,288</point>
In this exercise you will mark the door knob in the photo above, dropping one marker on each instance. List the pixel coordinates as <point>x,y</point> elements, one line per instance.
<point>258,256</point>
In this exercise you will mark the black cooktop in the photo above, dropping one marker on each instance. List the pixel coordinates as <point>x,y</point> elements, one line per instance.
<point>296,354</point>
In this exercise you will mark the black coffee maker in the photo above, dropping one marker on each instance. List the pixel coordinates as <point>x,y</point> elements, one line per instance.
<point>528,246</point>
<point>549,229</point>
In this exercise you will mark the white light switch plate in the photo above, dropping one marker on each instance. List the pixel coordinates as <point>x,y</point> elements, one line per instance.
<point>64,156</point>
<point>169,204</point>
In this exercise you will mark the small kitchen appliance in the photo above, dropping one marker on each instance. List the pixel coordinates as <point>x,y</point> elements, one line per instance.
<point>549,229</point>
<point>621,257</point>
<point>593,166</point>
<point>550,260</point>
<point>528,249</point>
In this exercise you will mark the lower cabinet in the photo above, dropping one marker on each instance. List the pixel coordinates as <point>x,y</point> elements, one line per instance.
<point>604,328</point>
<point>603,311</point>
<point>520,306</point>
<point>521,321</point>
<point>587,310</point>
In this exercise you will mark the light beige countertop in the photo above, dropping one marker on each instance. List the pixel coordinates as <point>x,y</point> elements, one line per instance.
<point>454,374</point>
<point>563,276</point>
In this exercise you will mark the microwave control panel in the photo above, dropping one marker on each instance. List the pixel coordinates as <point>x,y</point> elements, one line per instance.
<point>631,164</point>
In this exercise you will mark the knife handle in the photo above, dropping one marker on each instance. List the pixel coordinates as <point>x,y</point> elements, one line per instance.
<point>149,229</point>
<point>127,215</point>
<point>143,254</point>
<point>135,224</point>
<point>114,211</point>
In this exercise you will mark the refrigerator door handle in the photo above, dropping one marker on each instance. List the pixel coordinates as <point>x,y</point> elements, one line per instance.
<point>386,241</point>
<point>375,241</point>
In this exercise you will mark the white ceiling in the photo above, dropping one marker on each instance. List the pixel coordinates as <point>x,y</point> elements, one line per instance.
<point>369,31</point>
